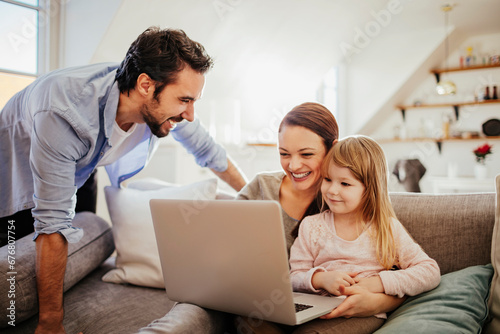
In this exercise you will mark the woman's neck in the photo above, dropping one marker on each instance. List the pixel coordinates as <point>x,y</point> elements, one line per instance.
<point>294,201</point>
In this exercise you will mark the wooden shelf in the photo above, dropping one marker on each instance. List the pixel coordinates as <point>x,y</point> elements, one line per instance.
<point>395,140</point>
<point>456,106</point>
<point>438,71</point>
<point>465,68</point>
<point>262,144</point>
<point>445,105</point>
<point>438,141</point>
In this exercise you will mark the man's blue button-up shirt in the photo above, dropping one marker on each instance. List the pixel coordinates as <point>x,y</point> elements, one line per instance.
<point>54,132</point>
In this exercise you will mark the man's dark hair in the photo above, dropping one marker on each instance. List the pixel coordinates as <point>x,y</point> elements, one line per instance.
<point>161,54</point>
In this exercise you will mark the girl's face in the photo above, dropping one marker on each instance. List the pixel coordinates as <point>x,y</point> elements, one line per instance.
<point>301,154</point>
<point>342,191</point>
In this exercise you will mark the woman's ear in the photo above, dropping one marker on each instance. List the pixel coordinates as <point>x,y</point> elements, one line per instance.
<point>335,142</point>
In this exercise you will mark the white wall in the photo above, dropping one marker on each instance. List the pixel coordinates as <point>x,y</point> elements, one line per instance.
<point>267,62</point>
<point>428,122</point>
<point>83,26</point>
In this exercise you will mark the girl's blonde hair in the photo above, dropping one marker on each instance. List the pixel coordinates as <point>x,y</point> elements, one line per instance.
<point>366,160</point>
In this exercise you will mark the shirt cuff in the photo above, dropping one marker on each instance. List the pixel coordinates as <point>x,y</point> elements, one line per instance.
<point>390,283</point>
<point>309,276</point>
<point>70,233</point>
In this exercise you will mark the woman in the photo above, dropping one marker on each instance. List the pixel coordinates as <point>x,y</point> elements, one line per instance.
<point>306,134</point>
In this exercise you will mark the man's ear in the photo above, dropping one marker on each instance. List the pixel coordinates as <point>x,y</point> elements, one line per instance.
<point>145,85</point>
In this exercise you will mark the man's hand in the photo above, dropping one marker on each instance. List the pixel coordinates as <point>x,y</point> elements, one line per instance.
<point>331,281</point>
<point>51,257</point>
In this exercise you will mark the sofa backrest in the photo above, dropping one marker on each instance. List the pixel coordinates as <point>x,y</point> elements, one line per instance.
<point>454,229</point>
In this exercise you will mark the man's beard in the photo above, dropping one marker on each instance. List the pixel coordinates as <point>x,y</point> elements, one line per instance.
<point>154,125</point>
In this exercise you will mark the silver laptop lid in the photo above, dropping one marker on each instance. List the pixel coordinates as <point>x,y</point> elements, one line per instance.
<point>225,255</point>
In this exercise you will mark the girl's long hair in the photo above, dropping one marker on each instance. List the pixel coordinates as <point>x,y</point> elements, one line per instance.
<point>366,160</point>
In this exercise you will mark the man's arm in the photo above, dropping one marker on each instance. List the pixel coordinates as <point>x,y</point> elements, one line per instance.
<point>232,176</point>
<point>198,142</point>
<point>51,257</point>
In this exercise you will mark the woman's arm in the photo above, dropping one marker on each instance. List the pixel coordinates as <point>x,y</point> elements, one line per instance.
<point>362,303</point>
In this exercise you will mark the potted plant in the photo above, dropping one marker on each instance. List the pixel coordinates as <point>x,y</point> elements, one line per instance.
<point>480,169</point>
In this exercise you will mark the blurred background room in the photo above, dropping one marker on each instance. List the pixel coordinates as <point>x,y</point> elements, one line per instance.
<point>377,65</point>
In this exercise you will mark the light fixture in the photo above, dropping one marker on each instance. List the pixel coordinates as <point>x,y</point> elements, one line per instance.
<point>446,87</point>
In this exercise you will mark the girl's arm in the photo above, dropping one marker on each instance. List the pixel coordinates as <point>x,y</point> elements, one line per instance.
<point>304,275</point>
<point>332,281</point>
<point>302,260</point>
<point>418,272</point>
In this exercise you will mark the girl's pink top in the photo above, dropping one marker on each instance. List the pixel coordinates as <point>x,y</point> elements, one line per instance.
<point>318,248</point>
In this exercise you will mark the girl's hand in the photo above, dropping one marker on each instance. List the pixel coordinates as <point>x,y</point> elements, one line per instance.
<point>331,281</point>
<point>372,284</point>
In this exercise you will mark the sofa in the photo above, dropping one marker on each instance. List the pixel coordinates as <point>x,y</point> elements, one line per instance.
<point>110,291</point>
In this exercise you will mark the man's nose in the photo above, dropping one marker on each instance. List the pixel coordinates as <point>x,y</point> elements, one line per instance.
<point>188,114</point>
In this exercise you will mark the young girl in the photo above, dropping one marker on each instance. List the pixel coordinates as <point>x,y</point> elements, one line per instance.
<point>358,241</point>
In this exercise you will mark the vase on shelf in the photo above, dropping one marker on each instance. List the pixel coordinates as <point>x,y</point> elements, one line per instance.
<point>480,171</point>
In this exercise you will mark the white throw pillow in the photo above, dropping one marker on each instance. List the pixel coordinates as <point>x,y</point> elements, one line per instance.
<point>137,260</point>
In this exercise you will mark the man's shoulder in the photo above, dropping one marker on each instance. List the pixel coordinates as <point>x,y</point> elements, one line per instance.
<point>97,70</point>
<point>78,86</point>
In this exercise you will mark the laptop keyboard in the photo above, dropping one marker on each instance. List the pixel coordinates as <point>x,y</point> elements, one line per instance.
<point>301,307</point>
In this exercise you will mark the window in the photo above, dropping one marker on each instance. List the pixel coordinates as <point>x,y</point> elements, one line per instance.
<point>19,42</point>
<point>327,93</point>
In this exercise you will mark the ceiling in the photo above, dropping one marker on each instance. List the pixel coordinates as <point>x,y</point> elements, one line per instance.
<point>294,29</point>
<point>268,52</point>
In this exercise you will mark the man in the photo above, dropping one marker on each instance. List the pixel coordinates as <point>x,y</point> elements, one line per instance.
<point>58,130</point>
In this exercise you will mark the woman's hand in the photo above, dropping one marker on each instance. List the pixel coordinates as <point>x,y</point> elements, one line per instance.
<point>331,281</point>
<point>372,284</point>
<point>360,302</point>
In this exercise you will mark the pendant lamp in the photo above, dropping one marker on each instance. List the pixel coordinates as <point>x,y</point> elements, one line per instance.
<point>446,87</point>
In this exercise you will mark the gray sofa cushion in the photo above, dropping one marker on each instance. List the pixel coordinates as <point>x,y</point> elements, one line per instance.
<point>83,257</point>
<point>453,229</point>
<point>457,305</point>
<point>97,307</point>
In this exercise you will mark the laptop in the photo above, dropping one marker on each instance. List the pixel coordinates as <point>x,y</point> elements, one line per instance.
<point>231,256</point>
